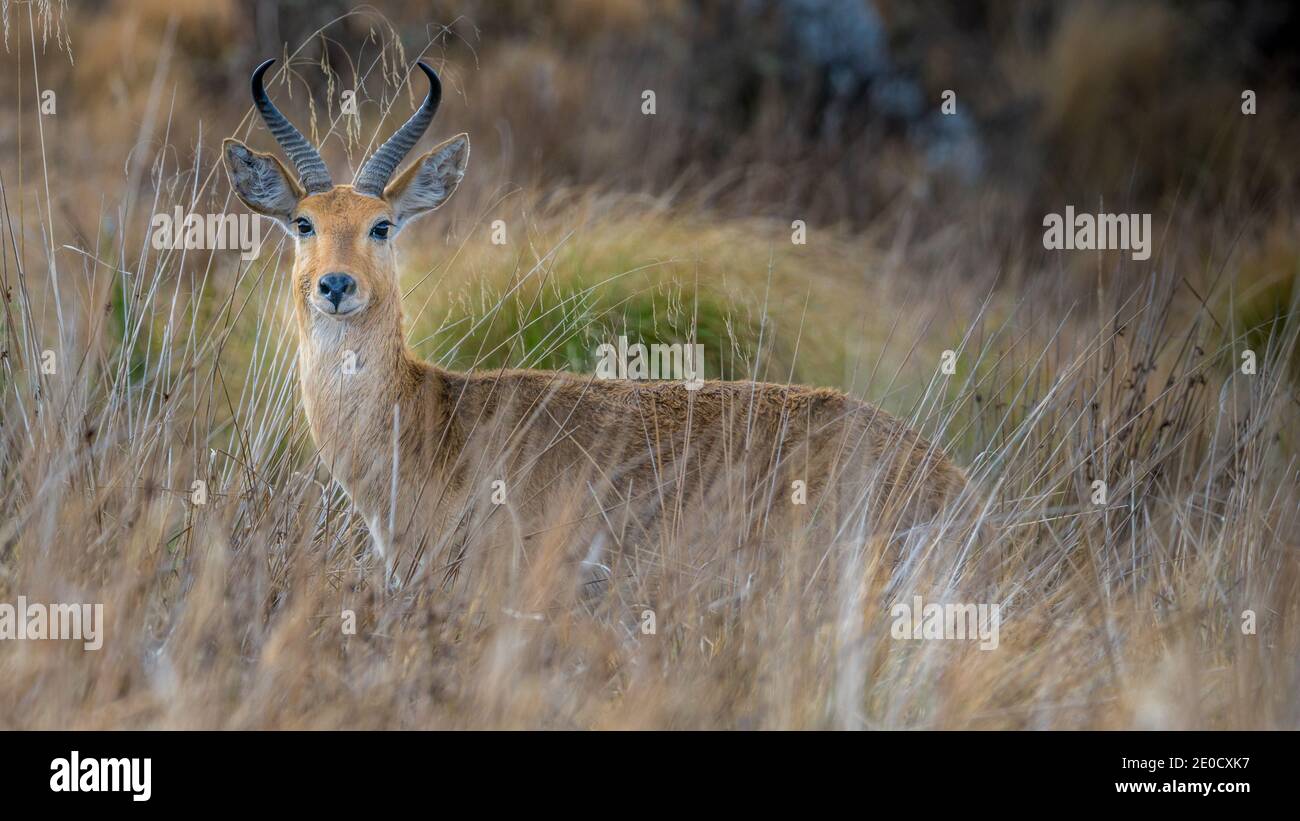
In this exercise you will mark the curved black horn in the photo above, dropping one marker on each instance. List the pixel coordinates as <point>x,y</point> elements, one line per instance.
<point>313,174</point>
<point>374,175</point>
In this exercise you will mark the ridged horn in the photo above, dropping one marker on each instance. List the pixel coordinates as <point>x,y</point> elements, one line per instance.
<point>374,175</point>
<point>312,173</point>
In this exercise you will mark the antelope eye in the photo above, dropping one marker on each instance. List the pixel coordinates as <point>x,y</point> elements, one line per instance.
<point>303,226</point>
<point>381,229</point>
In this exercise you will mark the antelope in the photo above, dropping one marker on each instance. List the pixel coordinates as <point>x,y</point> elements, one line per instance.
<point>418,448</point>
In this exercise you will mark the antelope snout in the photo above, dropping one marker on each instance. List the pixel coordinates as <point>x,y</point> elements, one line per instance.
<point>336,286</point>
<point>336,293</point>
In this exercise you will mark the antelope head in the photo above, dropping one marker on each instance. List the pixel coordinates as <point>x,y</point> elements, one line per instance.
<point>344,263</point>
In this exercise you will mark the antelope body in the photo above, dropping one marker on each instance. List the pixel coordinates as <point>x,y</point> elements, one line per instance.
<point>419,448</point>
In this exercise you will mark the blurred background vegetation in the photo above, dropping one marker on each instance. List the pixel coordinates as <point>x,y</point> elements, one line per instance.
<point>767,111</point>
<point>825,107</point>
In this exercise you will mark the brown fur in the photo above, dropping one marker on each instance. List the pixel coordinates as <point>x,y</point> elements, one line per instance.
<point>637,454</point>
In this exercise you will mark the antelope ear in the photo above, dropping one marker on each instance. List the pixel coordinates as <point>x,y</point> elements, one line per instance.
<point>261,181</point>
<point>430,181</point>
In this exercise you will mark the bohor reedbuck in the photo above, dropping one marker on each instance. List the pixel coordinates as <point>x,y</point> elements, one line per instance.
<point>428,454</point>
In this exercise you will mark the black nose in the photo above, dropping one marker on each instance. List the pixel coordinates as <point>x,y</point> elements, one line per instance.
<point>336,286</point>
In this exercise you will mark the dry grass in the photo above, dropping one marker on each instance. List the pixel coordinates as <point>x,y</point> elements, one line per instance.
<point>180,366</point>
